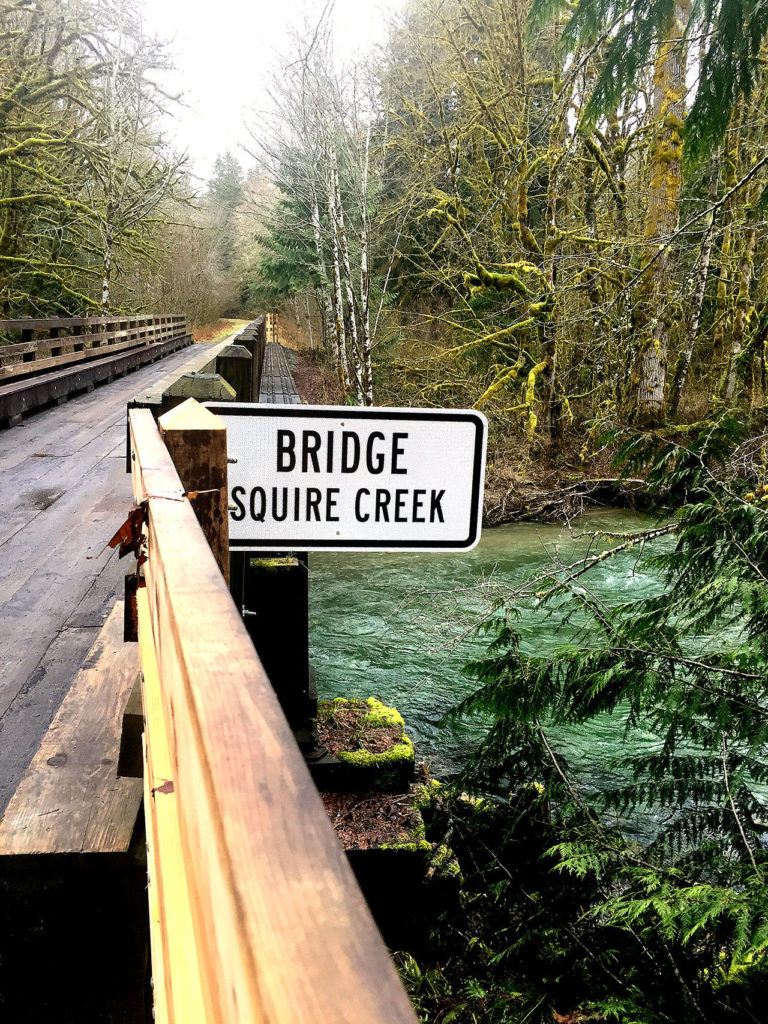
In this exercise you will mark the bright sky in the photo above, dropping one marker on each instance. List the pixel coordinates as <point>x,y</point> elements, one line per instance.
<point>226,50</point>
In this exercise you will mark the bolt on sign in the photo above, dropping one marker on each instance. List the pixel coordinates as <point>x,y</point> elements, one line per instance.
<point>324,478</point>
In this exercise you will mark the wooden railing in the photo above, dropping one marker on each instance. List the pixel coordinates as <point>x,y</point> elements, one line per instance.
<point>255,914</point>
<point>254,338</point>
<point>59,357</point>
<point>64,342</point>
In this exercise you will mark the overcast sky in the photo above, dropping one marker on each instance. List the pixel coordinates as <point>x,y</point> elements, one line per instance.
<point>226,50</point>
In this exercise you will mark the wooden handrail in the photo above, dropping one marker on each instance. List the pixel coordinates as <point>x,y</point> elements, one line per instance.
<point>55,349</point>
<point>254,337</point>
<point>44,323</point>
<point>279,930</point>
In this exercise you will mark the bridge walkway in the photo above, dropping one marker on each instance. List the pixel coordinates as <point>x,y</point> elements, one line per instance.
<point>63,493</point>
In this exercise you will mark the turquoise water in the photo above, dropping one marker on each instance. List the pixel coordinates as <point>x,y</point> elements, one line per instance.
<point>399,627</point>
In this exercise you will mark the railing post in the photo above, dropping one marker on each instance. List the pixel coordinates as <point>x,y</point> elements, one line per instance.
<point>196,440</point>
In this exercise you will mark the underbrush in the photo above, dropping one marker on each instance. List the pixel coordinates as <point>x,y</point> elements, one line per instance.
<point>510,939</point>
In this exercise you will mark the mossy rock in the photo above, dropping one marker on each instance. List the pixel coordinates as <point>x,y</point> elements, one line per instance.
<point>274,564</point>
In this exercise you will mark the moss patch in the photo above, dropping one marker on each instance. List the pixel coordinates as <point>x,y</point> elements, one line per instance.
<point>369,738</point>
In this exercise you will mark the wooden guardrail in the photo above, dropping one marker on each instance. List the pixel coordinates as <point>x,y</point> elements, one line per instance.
<point>254,338</point>
<point>69,341</point>
<point>57,357</point>
<point>255,914</point>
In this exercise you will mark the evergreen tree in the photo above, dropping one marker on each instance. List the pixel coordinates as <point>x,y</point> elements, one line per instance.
<point>225,193</point>
<point>729,34</point>
<point>684,670</point>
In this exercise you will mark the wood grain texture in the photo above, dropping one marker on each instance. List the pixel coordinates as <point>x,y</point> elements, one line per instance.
<point>176,969</point>
<point>28,394</point>
<point>46,324</point>
<point>282,931</point>
<point>253,338</point>
<point>235,364</point>
<point>78,349</point>
<point>277,386</point>
<point>202,359</point>
<point>70,799</point>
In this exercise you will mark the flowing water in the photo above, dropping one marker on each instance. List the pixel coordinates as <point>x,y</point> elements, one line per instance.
<point>399,627</point>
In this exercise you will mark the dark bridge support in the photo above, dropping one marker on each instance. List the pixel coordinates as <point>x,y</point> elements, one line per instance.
<point>276,614</point>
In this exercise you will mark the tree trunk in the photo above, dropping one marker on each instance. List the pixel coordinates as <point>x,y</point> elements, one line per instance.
<point>654,317</point>
<point>700,285</point>
<point>551,406</point>
<point>339,333</point>
<point>365,281</point>
<point>106,281</point>
<point>341,236</point>
<point>724,264</point>
<point>309,322</point>
<point>322,272</point>
<point>737,366</point>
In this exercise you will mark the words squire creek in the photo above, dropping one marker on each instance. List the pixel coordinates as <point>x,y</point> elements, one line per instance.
<point>333,452</point>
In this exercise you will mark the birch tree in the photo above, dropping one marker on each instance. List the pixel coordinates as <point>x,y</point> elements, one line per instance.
<point>318,153</point>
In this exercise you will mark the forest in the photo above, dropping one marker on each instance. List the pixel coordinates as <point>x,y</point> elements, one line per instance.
<point>553,215</point>
<point>99,211</point>
<point>553,211</point>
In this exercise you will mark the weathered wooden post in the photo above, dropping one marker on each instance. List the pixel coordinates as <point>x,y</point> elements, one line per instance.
<point>196,440</point>
<point>235,364</point>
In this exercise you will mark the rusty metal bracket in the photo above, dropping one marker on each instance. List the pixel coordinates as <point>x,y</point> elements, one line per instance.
<point>130,536</point>
<point>131,608</point>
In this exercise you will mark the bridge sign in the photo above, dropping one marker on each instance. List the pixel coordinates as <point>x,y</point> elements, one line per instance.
<point>325,478</point>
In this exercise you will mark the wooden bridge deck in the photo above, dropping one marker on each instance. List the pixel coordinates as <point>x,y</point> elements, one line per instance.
<point>63,492</point>
<point>254,912</point>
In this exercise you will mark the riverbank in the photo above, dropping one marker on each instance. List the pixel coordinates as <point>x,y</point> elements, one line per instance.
<point>588,707</point>
<point>519,486</point>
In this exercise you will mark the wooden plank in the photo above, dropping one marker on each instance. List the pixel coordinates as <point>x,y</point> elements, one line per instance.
<point>176,970</point>
<point>69,342</point>
<point>43,324</point>
<point>282,931</point>
<point>277,385</point>
<point>235,364</point>
<point>99,369</point>
<point>253,337</point>
<point>202,359</point>
<point>23,396</point>
<point>70,799</point>
<point>26,721</point>
<point>16,368</point>
<point>54,595</point>
<point>61,432</point>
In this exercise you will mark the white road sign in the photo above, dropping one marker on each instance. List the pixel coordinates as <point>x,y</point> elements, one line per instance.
<point>313,478</point>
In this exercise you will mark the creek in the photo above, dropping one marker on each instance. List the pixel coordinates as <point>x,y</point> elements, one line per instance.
<point>399,627</point>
